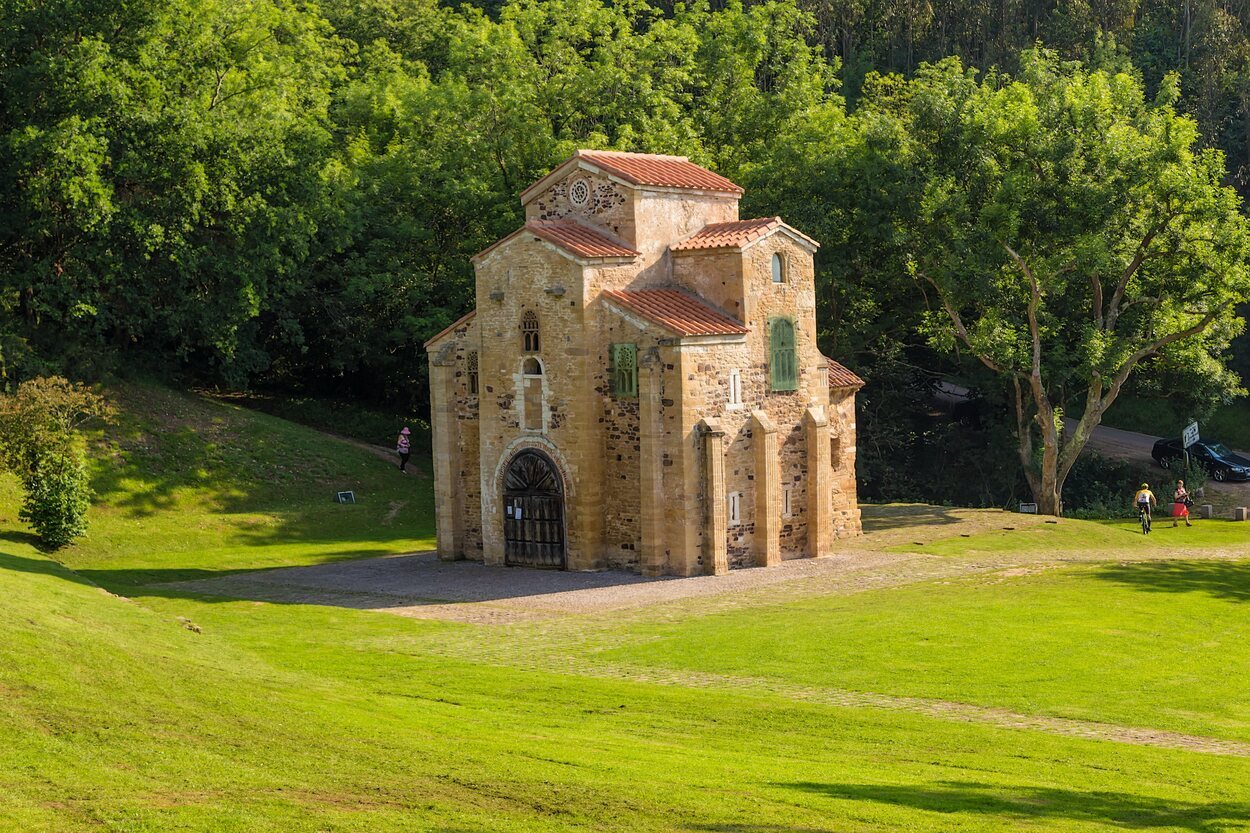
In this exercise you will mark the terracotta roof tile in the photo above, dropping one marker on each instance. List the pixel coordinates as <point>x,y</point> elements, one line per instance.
<point>570,235</point>
<point>735,235</point>
<point>455,325</point>
<point>728,235</point>
<point>584,241</point>
<point>660,171</point>
<point>677,312</point>
<point>840,377</point>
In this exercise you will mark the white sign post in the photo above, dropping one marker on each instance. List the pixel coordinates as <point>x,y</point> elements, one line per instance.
<point>1189,438</point>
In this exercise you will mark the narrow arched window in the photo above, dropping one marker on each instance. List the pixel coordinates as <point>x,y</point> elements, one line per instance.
<point>783,359</point>
<point>779,268</point>
<point>529,332</point>
<point>625,369</point>
<point>472,368</point>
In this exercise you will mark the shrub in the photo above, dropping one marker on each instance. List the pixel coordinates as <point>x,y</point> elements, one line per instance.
<point>40,443</point>
<point>1099,487</point>
<point>57,497</point>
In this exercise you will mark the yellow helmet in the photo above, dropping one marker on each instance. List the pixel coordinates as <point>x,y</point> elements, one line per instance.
<point>1145,485</point>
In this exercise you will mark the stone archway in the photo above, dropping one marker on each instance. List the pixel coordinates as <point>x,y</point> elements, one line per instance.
<point>533,523</point>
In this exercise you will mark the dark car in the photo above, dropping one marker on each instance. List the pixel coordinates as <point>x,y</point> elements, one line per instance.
<point>1219,462</point>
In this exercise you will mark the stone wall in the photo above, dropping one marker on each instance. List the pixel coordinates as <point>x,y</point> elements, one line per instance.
<point>529,275</point>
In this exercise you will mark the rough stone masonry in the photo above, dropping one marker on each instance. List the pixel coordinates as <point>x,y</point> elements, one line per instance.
<point>639,385</point>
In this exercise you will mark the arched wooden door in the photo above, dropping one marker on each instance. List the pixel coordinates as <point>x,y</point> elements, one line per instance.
<point>533,521</point>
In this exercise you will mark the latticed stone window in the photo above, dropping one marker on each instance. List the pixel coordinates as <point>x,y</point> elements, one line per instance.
<point>625,369</point>
<point>783,360</point>
<point>529,331</point>
<point>472,369</point>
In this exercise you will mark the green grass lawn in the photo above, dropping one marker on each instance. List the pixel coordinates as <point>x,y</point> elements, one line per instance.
<point>189,487</point>
<point>155,710</point>
<point>1069,535</point>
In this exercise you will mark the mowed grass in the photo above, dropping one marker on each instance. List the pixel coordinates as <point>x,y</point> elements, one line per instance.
<point>1159,644</point>
<point>155,710</point>
<point>1017,534</point>
<point>188,487</point>
<point>116,716</point>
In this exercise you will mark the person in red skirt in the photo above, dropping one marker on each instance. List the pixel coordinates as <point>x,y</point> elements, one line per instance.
<point>1180,508</point>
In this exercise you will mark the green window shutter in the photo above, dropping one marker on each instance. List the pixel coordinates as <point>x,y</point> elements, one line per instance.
<point>625,369</point>
<point>783,360</point>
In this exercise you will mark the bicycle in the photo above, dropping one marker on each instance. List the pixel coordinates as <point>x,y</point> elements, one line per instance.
<point>1143,513</point>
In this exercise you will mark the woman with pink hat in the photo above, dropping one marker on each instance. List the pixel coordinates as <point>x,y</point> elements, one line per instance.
<point>404,447</point>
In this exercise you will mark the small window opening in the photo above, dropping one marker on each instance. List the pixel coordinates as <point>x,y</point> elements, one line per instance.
<point>532,367</point>
<point>735,507</point>
<point>529,332</point>
<point>787,500</point>
<point>735,387</point>
<point>472,366</point>
<point>779,268</point>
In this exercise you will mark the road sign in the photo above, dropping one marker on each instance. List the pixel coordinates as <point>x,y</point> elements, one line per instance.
<point>1191,435</point>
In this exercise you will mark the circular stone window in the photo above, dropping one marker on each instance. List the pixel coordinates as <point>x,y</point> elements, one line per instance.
<point>579,193</point>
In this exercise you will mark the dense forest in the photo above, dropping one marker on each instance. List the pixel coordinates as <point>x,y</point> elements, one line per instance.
<point>285,195</point>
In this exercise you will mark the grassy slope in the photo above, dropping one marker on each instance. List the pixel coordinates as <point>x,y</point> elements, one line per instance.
<point>188,487</point>
<point>289,718</point>
<point>113,715</point>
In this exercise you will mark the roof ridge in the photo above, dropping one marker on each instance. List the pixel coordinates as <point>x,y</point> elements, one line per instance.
<point>669,156</point>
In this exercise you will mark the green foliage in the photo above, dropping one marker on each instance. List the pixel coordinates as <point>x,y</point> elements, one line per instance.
<point>40,443</point>
<point>58,495</point>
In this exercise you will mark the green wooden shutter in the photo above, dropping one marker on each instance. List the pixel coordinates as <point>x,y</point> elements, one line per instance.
<point>624,369</point>
<point>783,362</point>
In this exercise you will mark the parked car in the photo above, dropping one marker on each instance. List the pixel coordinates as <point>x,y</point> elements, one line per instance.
<point>1216,458</point>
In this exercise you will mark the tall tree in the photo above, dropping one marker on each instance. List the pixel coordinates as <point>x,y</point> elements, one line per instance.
<point>1067,230</point>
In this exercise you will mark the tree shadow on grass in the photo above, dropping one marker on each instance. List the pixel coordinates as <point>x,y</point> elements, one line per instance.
<point>877,518</point>
<point>39,566</point>
<point>1221,579</point>
<point>15,536</point>
<point>1132,812</point>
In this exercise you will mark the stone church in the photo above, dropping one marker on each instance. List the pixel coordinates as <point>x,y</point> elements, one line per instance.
<point>639,386</point>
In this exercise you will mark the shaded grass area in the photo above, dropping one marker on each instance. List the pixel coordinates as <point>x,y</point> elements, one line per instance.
<point>188,488</point>
<point>117,716</point>
<point>1160,645</point>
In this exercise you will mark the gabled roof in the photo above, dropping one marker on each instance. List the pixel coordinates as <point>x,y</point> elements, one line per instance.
<point>739,234</point>
<point>448,330</point>
<point>571,236</point>
<point>646,169</point>
<point>676,312</point>
<point>840,377</point>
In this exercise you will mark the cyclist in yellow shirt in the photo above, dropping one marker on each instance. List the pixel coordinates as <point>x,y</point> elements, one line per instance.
<point>1145,499</point>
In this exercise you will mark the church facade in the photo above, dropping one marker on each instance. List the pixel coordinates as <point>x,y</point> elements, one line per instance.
<point>639,385</point>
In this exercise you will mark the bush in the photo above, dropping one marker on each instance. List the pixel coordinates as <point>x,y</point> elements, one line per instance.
<point>40,443</point>
<point>1100,488</point>
<point>57,497</point>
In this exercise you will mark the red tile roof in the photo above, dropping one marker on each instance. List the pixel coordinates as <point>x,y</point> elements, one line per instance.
<point>580,240</point>
<point>660,171</point>
<point>455,325</point>
<point>571,236</point>
<point>736,234</point>
<point>840,377</point>
<point>677,312</point>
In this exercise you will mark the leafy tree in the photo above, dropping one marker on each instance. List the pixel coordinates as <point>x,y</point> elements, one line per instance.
<point>1067,230</point>
<point>41,443</point>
